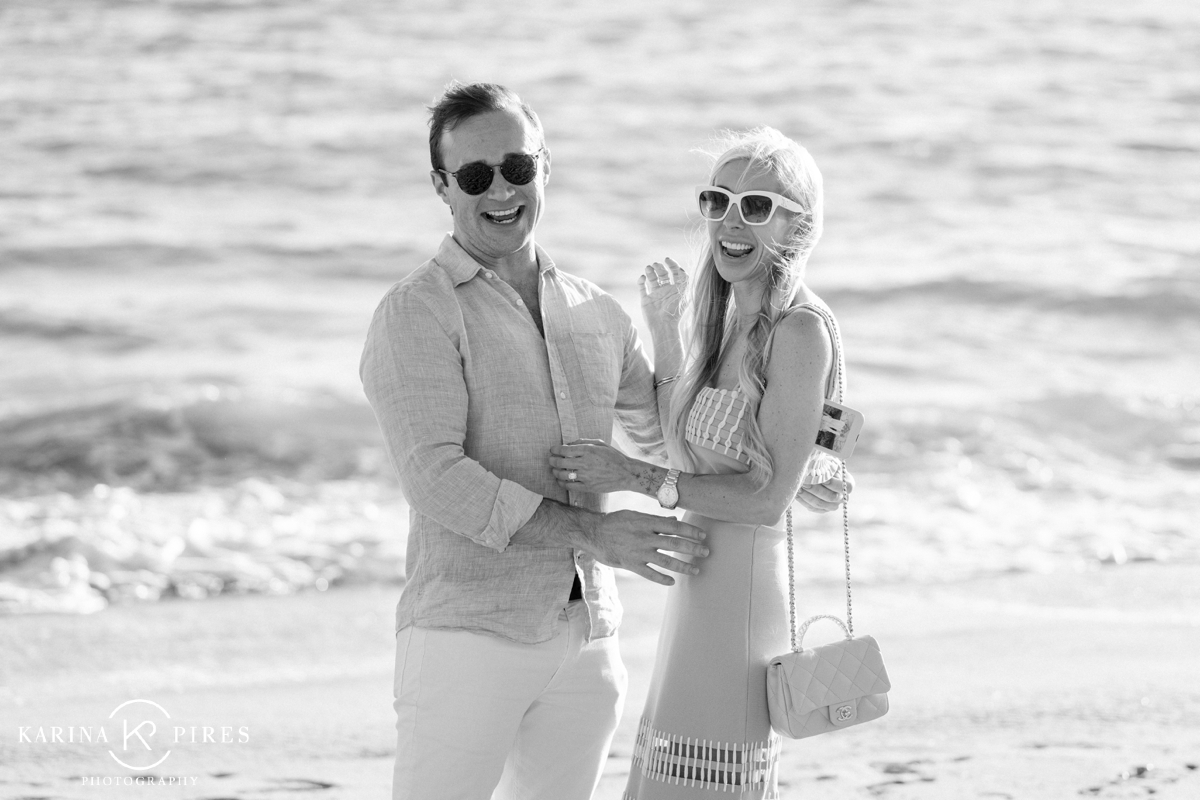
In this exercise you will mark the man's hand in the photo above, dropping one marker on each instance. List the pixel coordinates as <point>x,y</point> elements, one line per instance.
<point>823,497</point>
<point>632,540</point>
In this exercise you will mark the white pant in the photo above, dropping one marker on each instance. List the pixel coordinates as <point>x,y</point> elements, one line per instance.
<point>477,713</point>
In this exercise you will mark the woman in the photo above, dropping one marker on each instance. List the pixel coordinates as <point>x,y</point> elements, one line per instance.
<point>741,414</point>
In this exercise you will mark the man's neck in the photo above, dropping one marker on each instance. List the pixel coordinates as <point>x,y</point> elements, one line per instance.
<point>514,268</point>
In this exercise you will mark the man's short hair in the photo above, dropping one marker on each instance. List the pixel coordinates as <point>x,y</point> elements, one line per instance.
<point>461,101</point>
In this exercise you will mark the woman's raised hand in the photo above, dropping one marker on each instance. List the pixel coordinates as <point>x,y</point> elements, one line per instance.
<point>664,291</point>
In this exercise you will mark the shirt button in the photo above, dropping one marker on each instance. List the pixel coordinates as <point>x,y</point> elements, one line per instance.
<point>575,502</point>
<point>563,395</point>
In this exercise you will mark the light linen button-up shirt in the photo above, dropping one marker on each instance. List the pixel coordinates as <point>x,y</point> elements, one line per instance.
<point>470,398</point>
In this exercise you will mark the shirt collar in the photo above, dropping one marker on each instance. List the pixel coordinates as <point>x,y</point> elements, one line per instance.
<point>459,265</point>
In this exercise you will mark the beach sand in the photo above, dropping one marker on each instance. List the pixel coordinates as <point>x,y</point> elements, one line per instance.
<point>1021,686</point>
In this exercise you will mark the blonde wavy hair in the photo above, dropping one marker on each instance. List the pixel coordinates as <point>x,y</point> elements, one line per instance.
<point>712,314</point>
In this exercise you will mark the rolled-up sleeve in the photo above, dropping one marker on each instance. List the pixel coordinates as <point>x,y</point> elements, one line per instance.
<point>412,374</point>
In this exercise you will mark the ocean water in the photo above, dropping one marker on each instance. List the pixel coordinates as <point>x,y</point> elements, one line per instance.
<point>201,203</point>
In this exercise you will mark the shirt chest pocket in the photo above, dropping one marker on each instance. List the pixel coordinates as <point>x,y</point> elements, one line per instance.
<point>598,356</point>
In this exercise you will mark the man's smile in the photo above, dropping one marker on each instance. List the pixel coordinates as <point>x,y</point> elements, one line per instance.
<point>505,217</point>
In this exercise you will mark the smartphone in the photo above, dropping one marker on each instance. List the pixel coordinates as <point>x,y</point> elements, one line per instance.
<point>840,426</point>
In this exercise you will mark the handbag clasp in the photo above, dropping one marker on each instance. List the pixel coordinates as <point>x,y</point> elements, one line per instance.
<point>843,713</point>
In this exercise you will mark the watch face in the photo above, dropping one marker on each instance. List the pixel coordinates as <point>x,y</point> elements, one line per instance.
<point>668,496</point>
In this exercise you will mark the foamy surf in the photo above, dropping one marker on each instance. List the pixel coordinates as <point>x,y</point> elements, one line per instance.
<point>222,493</point>
<point>76,554</point>
<point>227,492</point>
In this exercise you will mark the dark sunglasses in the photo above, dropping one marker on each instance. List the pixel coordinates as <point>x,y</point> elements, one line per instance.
<point>517,168</point>
<point>756,207</point>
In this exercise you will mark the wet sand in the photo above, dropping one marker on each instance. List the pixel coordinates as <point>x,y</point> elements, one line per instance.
<point>1025,686</point>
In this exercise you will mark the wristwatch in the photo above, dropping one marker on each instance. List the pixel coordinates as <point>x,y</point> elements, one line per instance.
<point>667,494</point>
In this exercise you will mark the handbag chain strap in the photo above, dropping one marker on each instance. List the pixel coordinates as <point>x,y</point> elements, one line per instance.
<point>837,345</point>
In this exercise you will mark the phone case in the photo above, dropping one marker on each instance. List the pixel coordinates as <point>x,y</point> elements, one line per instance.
<point>840,426</point>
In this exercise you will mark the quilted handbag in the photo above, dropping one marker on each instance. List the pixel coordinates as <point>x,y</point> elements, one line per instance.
<point>836,685</point>
<point>827,688</point>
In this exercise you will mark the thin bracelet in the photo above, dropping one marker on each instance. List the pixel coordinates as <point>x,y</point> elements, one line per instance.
<point>665,381</point>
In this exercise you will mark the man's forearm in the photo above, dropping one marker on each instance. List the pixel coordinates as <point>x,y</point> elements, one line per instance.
<point>556,524</point>
<point>624,539</point>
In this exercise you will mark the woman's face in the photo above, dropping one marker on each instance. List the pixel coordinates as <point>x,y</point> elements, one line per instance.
<point>742,252</point>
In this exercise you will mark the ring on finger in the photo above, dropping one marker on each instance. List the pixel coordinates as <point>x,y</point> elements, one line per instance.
<point>572,476</point>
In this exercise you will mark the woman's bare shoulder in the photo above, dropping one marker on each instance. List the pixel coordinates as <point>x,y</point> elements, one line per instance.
<point>801,345</point>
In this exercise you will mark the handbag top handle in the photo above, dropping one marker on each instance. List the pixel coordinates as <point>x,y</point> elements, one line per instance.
<point>811,620</point>
<point>831,387</point>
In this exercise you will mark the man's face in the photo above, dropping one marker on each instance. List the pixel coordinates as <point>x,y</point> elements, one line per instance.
<point>499,222</point>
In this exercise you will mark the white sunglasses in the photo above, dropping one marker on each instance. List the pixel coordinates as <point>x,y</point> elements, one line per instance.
<point>756,206</point>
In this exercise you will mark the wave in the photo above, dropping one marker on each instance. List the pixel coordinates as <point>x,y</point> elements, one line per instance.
<point>1076,431</point>
<point>102,335</point>
<point>1151,299</point>
<point>196,494</point>
<point>119,257</point>
<point>213,436</point>
<point>352,261</point>
<point>207,437</point>
<point>201,493</point>
<point>77,554</point>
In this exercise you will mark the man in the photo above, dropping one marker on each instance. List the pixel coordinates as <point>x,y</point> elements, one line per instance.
<point>508,675</point>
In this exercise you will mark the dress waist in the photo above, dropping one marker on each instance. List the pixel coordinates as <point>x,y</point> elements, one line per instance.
<point>725,527</point>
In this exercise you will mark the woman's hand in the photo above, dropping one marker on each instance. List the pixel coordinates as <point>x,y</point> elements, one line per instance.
<point>590,465</point>
<point>824,497</point>
<point>664,290</point>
